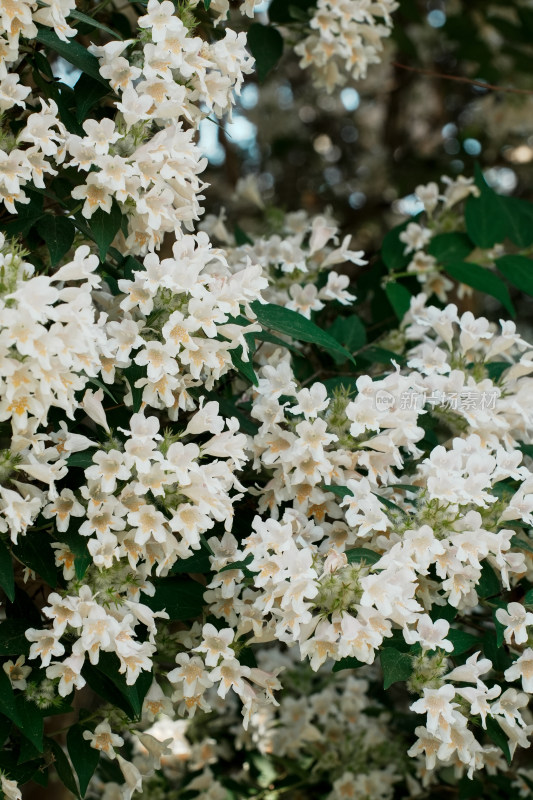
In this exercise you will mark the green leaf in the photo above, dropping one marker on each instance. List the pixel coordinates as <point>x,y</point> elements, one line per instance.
<point>496,734</point>
<point>78,546</point>
<point>523,544</point>
<point>133,373</point>
<point>8,701</point>
<point>381,355</point>
<point>462,641</point>
<point>264,336</point>
<point>181,599</point>
<point>35,551</point>
<point>347,663</point>
<point>396,666</point>
<point>82,458</point>
<point>482,279</point>
<point>108,665</point>
<point>207,3</point>
<point>63,768</point>
<point>498,655</point>
<point>241,237</point>
<point>485,224</point>
<point>293,324</point>
<point>245,368</point>
<point>95,24</point>
<point>448,247</point>
<point>239,564</point>
<point>199,562</point>
<point>340,491</point>
<point>517,215</point>
<point>73,52</point>
<point>392,249</point>
<point>489,584</point>
<point>357,554</point>
<point>7,576</point>
<point>390,504</point>
<point>350,333</point>
<point>399,297</point>
<point>518,270</point>
<point>266,46</point>
<point>84,757</point>
<point>87,92</point>
<point>105,227</point>
<point>31,722</point>
<point>500,628</point>
<point>282,11</point>
<point>58,233</point>
<point>446,612</point>
<point>13,641</point>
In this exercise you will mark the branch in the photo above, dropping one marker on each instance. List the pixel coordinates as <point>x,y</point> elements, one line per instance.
<point>460,79</point>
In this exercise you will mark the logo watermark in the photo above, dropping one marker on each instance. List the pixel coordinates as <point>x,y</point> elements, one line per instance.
<point>468,400</point>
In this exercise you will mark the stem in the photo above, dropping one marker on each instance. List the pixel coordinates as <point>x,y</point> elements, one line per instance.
<point>461,79</point>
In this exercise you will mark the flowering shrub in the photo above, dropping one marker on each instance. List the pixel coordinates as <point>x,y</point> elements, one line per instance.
<point>233,511</point>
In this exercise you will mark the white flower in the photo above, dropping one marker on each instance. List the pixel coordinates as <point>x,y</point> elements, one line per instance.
<point>431,635</point>
<point>17,672</point>
<point>515,619</point>
<point>104,739</point>
<point>521,669</point>
<point>92,405</point>
<point>215,644</point>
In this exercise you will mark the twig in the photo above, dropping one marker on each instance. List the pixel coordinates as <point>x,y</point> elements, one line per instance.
<point>461,79</point>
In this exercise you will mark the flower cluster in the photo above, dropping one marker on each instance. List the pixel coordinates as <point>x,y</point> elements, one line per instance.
<point>346,37</point>
<point>341,576</point>
<point>173,495</point>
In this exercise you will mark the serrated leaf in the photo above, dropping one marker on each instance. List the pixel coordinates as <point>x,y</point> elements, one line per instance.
<point>347,663</point>
<point>7,575</point>
<point>58,234</point>
<point>396,666</point>
<point>289,322</point>
<point>105,227</point>
<point>357,554</point>
<point>73,52</point>
<point>266,46</point>
<point>84,757</point>
<point>399,297</point>
<point>518,270</point>
<point>482,279</point>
